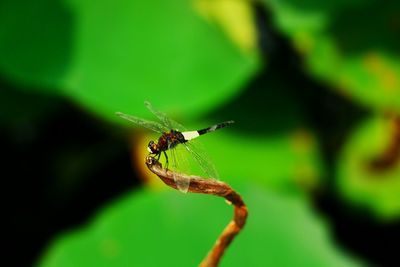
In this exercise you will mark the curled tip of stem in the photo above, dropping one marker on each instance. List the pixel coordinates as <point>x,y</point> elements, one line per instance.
<point>210,187</point>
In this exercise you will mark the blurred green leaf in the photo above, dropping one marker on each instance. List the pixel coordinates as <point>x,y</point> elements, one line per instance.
<point>161,51</point>
<point>377,190</point>
<point>351,44</point>
<point>173,229</point>
<point>236,18</point>
<point>112,55</point>
<point>35,42</point>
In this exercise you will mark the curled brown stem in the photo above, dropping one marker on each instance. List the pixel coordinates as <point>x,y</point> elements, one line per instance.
<point>209,187</point>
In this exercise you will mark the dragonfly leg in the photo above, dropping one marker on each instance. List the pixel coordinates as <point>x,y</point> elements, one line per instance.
<point>166,160</point>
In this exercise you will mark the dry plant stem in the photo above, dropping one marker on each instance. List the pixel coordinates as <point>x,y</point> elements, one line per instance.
<point>209,187</point>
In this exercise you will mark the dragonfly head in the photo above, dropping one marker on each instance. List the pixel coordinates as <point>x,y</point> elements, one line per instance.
<point>152,147</point>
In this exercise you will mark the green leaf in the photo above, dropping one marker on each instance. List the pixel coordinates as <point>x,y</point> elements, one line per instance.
<point>35,42</point>
<point>112,55</point>
<point>173,229</point>
<point>374,189</point>
<point>165,53</point>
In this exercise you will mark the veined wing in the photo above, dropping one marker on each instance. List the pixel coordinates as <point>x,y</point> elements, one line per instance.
<point>168,122</point>
<point>181,183</point>
<point>202,159</point>
<point>152,125</point>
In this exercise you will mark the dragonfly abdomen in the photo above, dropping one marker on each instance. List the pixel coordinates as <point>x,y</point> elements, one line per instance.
<point>193,134</point>
<point>215,127</point>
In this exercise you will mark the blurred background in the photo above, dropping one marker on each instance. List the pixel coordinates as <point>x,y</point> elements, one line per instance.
<point>314,88</point>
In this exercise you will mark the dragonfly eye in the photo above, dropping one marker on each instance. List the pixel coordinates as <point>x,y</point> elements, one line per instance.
<point>152,147</point>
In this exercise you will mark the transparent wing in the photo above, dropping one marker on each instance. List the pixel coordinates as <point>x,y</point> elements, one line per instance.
<point>176,159</point>
<point>152,125</point>
<point>168,122</point>
<point>200,156</point>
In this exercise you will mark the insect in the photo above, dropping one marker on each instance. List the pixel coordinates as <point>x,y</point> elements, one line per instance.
<point>172,136</point>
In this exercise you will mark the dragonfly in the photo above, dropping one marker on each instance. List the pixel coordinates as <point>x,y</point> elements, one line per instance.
<point>174,135</point>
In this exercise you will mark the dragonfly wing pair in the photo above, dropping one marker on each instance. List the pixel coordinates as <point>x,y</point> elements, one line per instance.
<point>179,164</point>
<point>151,125</point>
<point>200,156</point>
<point>168,122</point>
<point>178,160</point>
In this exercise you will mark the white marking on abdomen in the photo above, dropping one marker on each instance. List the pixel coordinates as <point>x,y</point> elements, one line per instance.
<point>190,135</point>
<point>212,128</point>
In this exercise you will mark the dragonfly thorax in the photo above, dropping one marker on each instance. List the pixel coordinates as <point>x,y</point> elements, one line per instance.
<point>166,141</point>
